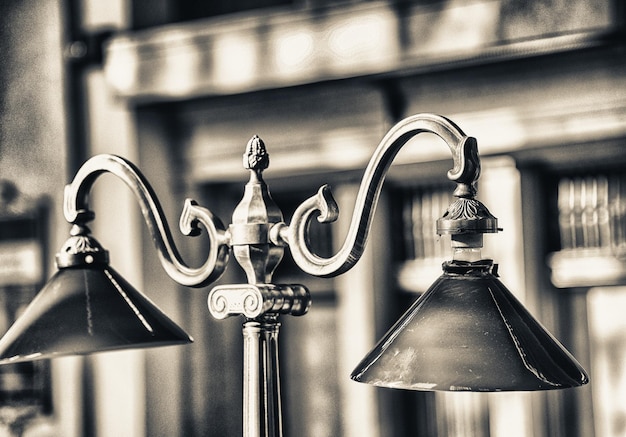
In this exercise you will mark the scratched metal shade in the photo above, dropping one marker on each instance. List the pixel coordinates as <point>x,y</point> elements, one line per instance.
<point>469,333</point>
<point>87,307</point>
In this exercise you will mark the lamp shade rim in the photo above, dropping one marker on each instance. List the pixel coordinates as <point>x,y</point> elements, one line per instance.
<point>53,355</point>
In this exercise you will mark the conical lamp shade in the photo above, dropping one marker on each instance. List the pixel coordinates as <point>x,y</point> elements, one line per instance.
<point>83,310</point>
<point>469,333</point>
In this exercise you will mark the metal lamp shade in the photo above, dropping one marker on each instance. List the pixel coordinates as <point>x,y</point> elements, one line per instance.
<point>85,310</point>
<point>469,333</point>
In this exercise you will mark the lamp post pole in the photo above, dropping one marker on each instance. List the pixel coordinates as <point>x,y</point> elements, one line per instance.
<point>260,302</point>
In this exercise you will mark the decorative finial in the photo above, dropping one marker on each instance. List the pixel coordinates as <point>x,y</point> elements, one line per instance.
<point>256,156</point>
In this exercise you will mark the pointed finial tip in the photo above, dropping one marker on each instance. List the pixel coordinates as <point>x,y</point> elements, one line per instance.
<point>256,156</point>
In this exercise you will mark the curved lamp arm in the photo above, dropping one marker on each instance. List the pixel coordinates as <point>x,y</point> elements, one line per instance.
<point>76,210</point>
<point>465,172</point>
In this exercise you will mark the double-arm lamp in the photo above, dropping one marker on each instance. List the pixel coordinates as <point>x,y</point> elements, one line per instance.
<point>466,333</point>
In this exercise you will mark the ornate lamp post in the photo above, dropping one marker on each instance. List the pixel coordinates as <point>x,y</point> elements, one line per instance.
<point>467,332</point>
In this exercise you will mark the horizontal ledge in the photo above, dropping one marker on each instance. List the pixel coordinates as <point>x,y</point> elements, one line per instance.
<point>237,55</point>
<point>592,267</point>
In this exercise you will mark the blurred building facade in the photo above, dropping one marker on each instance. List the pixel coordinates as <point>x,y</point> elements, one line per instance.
<point>180,86</point>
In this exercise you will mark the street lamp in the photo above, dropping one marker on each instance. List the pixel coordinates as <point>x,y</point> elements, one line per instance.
<point>466,333</point>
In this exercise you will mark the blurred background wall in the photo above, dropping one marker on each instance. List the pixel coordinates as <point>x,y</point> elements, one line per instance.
<point>180,86</point>
<point>33,155</point>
